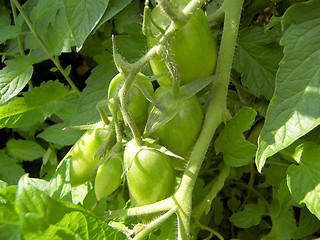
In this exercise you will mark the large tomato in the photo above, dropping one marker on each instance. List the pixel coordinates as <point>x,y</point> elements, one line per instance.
<point>181,132</point>
<point>193,49</point>
<point>138,104</point>
<point>108,177</point>
<point>150,176</point>
<point>82,155</point>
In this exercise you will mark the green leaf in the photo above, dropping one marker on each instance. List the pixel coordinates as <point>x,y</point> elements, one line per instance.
<point>113,8</point>
<point>294,108</point>
<point>168,230</point>
<point>95,91</point>
<point>3,184</point>
<point>25,150</point>
<point>5,18</point>
<point>51,25</point>
<point>132,44</point>
<point>8,213</point>
<point>304,179</point>
<point>9,218</point>
<point>283,227</point>
<point>83,16</point>
<point>35,106</point>
<point>257,59</point>
<point>283,224</point>
<point>49,163</point>
<point>10,171</point>
<point>128,17</point>
<point>59,187</point>
<point>69,103</point>
<point>15,76</point>
<point>190,89</point>
<point>275,174</point>
<point>56,134</point>
<point>250,216</point>
<point>308,224</point>
<point>8,32</point>
<point>231,142</point>
<point>158,117</point>
<point>44,218</point>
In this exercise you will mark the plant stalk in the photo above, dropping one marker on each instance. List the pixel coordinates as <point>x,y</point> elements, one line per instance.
<point>214,115</point>
<point>163,205</point>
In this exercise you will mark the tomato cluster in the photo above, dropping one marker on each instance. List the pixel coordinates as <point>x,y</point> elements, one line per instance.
<point>150,171</point>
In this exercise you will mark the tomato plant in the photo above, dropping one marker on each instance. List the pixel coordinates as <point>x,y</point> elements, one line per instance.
<point>138,104</point>
<point>108,177</point>
<point>192,49</point>
<point>150,174</point>
<point>82,156</point>
<point>181,132</point>
<point>252,171</point>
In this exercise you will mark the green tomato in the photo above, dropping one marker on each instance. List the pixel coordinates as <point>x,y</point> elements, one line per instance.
<point>108,177</point>
<point>82,156</point>
<point>150,176</point>
<point>193,48</point>
<point>181,132</point>
<point>138,104</point>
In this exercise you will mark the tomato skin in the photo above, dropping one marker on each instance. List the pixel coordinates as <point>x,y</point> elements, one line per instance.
<point>180,133</point>
<point>150,176</point>
<point>82,156</point>
<point>193,49</point>
<point>108,177</point>
<point>138,104</point>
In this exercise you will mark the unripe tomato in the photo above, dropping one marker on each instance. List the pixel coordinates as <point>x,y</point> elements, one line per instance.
<point>108,177</point>
<point>138,104</point>
<point>180,133</point>
<point>193,48</point>
<point>82,156</point>
<point>150,175</point>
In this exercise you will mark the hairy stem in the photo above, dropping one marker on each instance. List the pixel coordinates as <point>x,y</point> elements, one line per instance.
<point>151,226</point>
<point>214,115</point>
<point>163,205</point>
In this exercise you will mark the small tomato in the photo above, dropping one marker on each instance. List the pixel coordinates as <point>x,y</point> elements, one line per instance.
<point>108,177</point>
<point>193,48</point>
<point>181,132</point>
<point>150,176</point>
<point>82,155</point>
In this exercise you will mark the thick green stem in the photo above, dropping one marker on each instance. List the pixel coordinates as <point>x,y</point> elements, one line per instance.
<point>214,115</point>
<point>53,59</point>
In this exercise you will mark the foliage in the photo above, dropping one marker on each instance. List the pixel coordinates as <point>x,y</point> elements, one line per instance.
<point>254,172</point>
